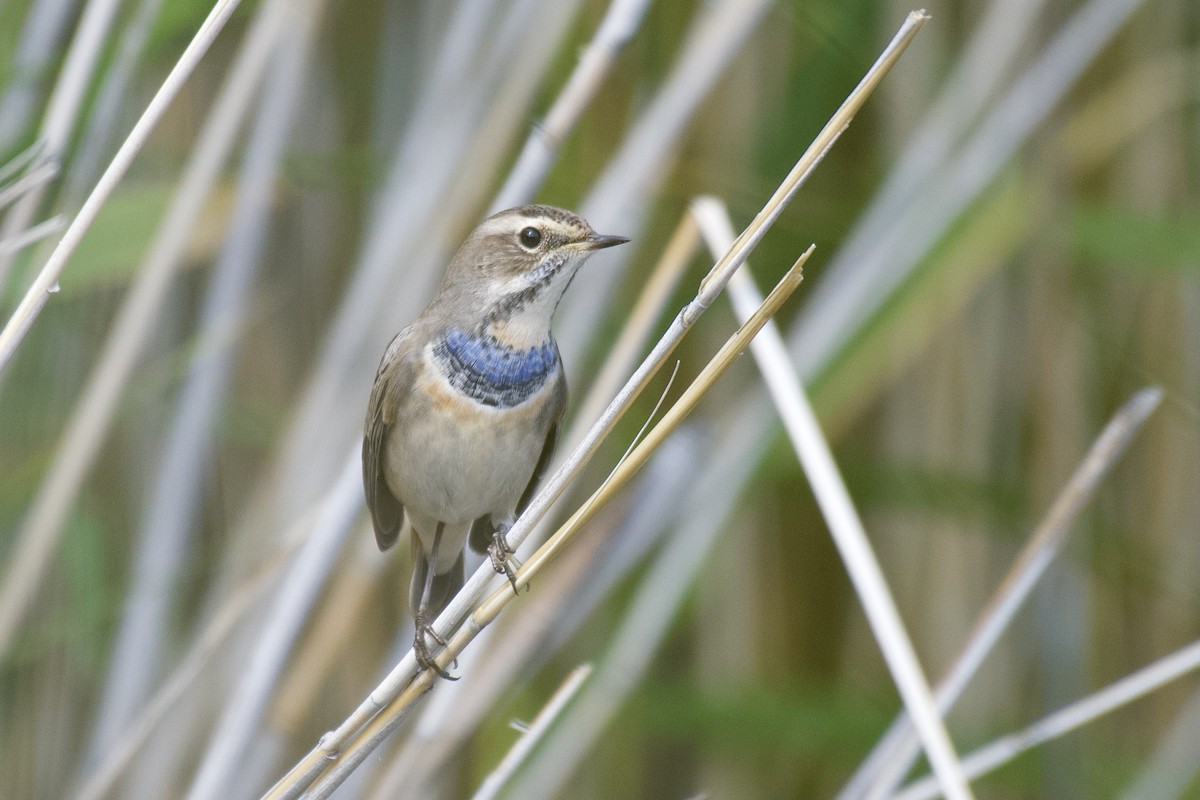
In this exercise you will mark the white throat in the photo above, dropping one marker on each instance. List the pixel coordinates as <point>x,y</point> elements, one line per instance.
<point>529,325</point>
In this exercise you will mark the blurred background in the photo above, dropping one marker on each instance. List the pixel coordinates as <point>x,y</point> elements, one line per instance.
<point>1007,248</point>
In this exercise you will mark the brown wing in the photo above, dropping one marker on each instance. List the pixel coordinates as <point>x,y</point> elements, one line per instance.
<point>483,528</point>
<point>542,464</point>
<point>392,379</point>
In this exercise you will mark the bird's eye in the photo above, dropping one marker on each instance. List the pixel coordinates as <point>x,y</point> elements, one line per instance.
<point>530,238</point>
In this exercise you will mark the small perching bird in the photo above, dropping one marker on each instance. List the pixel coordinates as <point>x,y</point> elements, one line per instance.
<point>467,401</point>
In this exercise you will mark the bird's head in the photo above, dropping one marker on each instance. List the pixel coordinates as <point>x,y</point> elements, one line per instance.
<point>514,268</point>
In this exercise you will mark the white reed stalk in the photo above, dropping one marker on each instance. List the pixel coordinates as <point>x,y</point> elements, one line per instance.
<point>1117,694</point>
<point>96,142</point>
<point>998,40</point>
<point>831,317</point>
<point>32,235</point>
<point>890,761</point>
<point>167,520</point>
<point>519,753</point>
<point>1172,765</point>
<point>35,298</point>
<point>446,112</point>
<point>21,160</point>
<point>26,184</point>
<point>507,112</point>
<point>42,528</point>
<point>63,109</point>
<point>36,51</point>
<point>833,498</point>
<point>305,771</point>
<point>94,411</point>
<point>244,598</point>
<point>620,23</point>
<point>299,589</point>
<point>618,199</point>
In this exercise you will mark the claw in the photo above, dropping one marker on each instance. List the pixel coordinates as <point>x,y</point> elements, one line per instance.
<point>502,557</point>
<point>425,658</point>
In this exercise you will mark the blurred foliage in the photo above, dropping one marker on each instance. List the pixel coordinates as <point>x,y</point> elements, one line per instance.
<point>1123,238</point>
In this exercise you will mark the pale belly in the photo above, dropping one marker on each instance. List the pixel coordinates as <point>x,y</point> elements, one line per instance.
<point>451,461</point>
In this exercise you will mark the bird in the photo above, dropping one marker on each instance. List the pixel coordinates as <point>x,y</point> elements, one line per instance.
<point>467,402</point>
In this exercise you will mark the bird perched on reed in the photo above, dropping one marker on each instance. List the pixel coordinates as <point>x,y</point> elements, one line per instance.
<point>467,401</point>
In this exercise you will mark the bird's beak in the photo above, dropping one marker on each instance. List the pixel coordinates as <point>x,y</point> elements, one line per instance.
<point>598,241</point>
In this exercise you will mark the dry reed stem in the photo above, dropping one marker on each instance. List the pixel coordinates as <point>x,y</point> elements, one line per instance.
<point>39,175</point>
<point>618,198</point>
<point>62,110</point>
<point>1117,694</point>
<point>845,527</point>
<point>621,22</point>
<point>241,600</point>
<point>256,681</point>
<point>857,283</point>
<point>168,515</point>
<point>30,236</point>
<point>36,544</point>
<point>621,357</point>
<point>893,756</point>
<point>35,298</point>
<point>516,756</point>
<point>21,160</point>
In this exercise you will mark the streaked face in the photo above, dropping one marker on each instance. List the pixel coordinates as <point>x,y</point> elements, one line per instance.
<point>528,256</point>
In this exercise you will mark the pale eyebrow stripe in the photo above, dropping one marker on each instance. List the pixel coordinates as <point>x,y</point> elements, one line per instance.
<point>508,224</point>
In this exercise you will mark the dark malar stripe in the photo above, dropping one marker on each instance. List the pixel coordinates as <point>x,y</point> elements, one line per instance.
<point>492,373</point>
<point>539,281</point>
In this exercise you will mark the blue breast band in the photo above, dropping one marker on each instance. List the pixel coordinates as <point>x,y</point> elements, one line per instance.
<point>492,373</point>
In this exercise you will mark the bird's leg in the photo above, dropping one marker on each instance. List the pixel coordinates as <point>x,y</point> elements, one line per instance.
<point>423,624</point>
<point>503,558</point>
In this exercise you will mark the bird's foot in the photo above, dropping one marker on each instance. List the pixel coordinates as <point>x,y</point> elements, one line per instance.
<point>425,658</point>
<point>504,560</point>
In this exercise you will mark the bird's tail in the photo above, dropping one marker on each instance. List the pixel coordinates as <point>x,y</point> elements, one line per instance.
<point>444,586</point>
